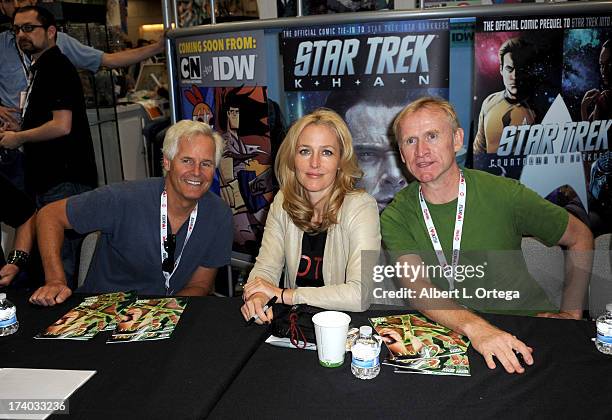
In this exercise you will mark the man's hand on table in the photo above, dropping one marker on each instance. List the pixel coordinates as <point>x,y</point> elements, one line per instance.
<point>51,294</point>
<point>562,315</point>
<point>254,306</point>
<point>490,341</point>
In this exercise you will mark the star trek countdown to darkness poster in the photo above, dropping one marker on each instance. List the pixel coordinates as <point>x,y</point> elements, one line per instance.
<point>543,108</point>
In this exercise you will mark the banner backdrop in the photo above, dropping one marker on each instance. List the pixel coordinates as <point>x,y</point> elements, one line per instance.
<point>460,74</point>
<point>367,73</point>
<point>223,83</point>
<point>542,109</point>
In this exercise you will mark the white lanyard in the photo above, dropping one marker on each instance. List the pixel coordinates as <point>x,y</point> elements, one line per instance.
<point>25,94</point>
<point>458,231</point>
<point>163,233</point>
<point>26,98</point>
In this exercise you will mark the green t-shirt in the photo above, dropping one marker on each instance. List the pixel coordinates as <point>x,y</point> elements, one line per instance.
<point>498,213</point>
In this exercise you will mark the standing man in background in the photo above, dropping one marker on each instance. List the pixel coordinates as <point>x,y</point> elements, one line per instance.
<point>55,132</point>
<point>14,69</point>
<point>19,212</point>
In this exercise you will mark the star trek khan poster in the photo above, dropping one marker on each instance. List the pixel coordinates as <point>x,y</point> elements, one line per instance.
<point>367,73</point>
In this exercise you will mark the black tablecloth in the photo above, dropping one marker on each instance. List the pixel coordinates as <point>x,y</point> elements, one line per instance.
<point>570,379</point>
<point>179,378</point>
<point>213,362</point>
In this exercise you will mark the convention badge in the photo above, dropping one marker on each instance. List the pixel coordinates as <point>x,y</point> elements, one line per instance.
<point>22,98</point>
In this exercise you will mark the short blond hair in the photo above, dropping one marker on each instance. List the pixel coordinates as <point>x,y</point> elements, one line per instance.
<point>426,102</point>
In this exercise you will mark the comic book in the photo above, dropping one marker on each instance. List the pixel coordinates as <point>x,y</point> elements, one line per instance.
<point>456,364</point>
<point>419,345</point>
<point>94,314</point>
<point>148,319</point>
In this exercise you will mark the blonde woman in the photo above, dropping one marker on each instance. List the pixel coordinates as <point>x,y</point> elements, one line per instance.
<point>318,224</point>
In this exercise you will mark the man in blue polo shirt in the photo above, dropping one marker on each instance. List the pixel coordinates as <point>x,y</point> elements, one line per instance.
<point>159,236</point>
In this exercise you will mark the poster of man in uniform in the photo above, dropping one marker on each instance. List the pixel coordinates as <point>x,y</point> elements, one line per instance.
<point>223,83</point>
<point>542,109</point>
<point>367,73</point>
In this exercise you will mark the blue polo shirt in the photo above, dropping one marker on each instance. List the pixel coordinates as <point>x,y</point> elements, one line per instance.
<point>128,255</point>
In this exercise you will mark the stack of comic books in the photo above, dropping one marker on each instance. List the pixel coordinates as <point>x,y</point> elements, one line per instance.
<point>128,318</point>
<point>419,345</point>
<point>148,319</point>
<point>94,314</point>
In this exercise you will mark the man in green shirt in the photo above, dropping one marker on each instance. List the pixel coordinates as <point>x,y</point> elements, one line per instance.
<point>455,219</point>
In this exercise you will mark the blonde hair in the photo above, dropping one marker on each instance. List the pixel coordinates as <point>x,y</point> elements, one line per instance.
<point>426,102</point>
<point>296,202</point>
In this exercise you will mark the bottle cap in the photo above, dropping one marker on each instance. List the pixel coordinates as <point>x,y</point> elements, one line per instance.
<point>2,296</point>
<point>365,330</point>
<point>608,307</point>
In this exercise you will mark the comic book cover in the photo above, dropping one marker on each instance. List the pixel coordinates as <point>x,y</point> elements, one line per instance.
<point>414,337</point>
<point>543,109</point>
<point>148,319</point>
<point>247,182</point>
<point>90,317</point>
<point>367,72</point>
<point>455,365</point>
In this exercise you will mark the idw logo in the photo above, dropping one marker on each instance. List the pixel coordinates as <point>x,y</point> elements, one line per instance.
<point>190,68</point>
<point>236,67</point>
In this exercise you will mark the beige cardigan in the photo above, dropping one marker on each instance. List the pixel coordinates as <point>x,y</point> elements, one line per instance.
<point>358,229</point>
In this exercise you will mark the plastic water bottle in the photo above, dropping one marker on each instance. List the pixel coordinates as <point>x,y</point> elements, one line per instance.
<point>8,316</point>
<point>604,331</point>
<point>365,352</point>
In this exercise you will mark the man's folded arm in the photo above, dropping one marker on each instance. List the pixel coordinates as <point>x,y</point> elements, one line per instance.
<point>202,282</point>
<point>51,222</point>
<point>578,240</point>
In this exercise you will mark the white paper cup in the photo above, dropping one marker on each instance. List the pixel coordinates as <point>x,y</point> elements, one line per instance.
<point>331,328</point>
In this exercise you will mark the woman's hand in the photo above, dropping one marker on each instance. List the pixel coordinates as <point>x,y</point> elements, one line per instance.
<point>254,306</point>
<point>259,285</point>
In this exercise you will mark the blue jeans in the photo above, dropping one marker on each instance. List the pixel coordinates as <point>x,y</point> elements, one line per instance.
<point>71,248</point>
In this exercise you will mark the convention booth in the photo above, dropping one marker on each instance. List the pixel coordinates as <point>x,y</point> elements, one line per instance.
<point>530,83</point>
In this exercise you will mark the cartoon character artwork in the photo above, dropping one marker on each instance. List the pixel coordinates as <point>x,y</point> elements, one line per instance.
<point>201,111</point>
<point>245,173</point>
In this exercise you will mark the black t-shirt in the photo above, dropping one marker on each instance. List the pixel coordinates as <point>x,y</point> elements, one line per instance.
<point>16,207</point>
<point>310,270</point>
<point>56,86</point>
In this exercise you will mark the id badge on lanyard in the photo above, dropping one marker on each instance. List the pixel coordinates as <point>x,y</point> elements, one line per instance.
<point>457,231</point>
<point>163,234</point>
<point>24,97</point>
